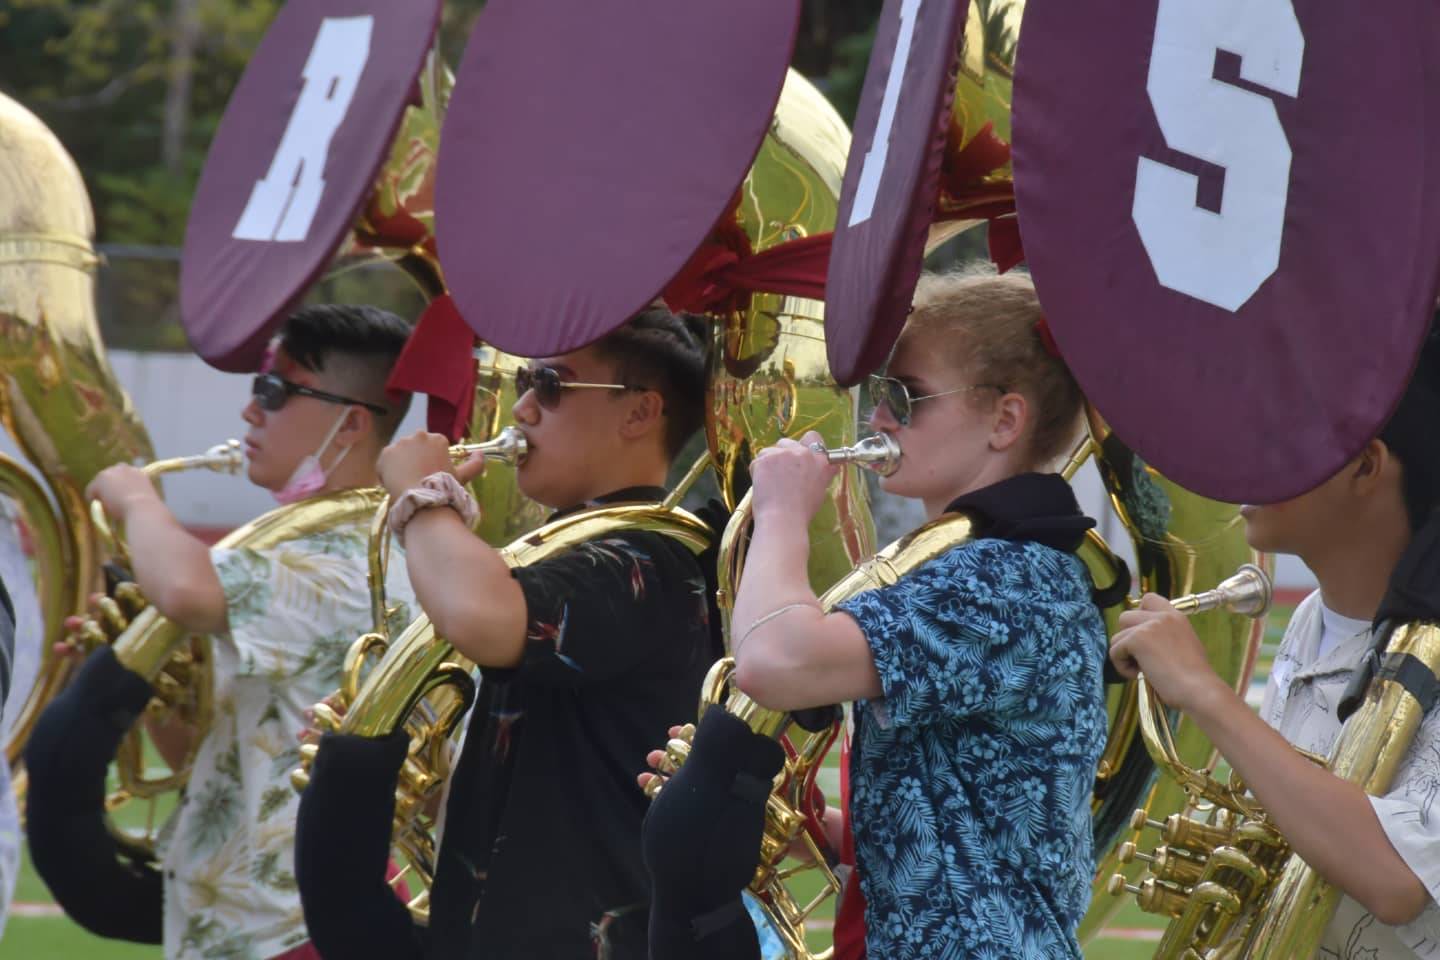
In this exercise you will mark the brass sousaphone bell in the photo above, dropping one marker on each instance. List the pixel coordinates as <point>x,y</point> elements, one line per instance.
<point>61,402</point>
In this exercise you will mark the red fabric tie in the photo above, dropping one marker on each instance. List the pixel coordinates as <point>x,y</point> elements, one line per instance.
<point>963,171</point>
<point>849,930</point>
<point>1047,339</point>
<point>439,360</point>
<point>722,276</point>
<point>966,194</point>
<point>1003,235</point>
<point>723,273</point>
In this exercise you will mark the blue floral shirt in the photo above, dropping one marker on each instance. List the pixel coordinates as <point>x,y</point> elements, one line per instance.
<point>971,778</point>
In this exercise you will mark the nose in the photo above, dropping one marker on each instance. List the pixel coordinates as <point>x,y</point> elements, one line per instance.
<point>526,408</point>
<point>882,419</point>
<point>252,414</point>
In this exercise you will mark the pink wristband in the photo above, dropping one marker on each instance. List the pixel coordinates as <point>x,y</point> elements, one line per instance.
<point>437,490</point>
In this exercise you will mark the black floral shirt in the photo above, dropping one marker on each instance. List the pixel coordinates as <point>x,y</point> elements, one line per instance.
<point>541,851</point>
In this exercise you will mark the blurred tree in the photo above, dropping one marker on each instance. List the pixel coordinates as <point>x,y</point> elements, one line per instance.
<point>824,26</point>
<point>833,48</point>
<point>134,89</point>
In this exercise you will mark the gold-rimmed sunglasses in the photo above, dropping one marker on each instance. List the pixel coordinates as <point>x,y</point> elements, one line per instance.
<point>895,396</point>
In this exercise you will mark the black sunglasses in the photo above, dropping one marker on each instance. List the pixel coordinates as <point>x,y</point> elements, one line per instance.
<point>548,386</point>
<point>271,390</point>
<point>895,396</point>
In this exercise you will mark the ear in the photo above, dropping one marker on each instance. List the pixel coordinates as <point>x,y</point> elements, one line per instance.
<point>644,413</point>
<point>1370,461</point>
<point>1008,420</point>
<point>1373,467</point>
<point>357,427</point>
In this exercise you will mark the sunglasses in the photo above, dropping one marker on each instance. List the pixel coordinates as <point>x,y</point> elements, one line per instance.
<point>548,386</point>
<point>271,391</point>
<point>894,396</point>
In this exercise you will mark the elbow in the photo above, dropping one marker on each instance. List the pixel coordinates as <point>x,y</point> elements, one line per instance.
<point>1393,915</point>
<point>457,628</point>
<point>748,678</point>
<point>761,681</point>
<point>189,605</point>
<point>1399,906</point>
<point>1401,910</point>
<point>471,631</point>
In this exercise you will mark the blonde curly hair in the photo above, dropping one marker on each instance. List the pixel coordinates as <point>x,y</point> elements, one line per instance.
<point>990,327</point>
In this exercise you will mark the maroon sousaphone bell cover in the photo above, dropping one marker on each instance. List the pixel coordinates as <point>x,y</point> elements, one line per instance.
<point>1230,213</point>
<point>588,150</point>
<point>892,181</point>
<point>294,160</point>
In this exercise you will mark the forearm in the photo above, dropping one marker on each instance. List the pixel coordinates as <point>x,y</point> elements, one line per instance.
<point>789,654</point>
<point>173,568</point>
<point>776,574</point>
<point>465,588</point>
<point>1328,821</point>
<point>775,578</point>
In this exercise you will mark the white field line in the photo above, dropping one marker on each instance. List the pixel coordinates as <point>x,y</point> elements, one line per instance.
<point>36,910</point>
<point>1128,933</point>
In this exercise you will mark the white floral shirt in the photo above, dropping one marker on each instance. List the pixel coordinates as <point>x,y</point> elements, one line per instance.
<point>294,610</point>
<point>1300,701</point>
<point>10,834</point>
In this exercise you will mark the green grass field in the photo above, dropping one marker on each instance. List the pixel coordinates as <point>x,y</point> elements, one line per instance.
<point>37,930</point>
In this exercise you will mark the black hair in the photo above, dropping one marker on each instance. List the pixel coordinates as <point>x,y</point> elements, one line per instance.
<point>1411,434</point>
<point>665,352</point>
<point>360,344</point>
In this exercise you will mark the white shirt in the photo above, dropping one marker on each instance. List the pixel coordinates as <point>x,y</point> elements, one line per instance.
<point>1300,700</point>
<point>1335,629</point>
<point>228,852</point>
<point>29,639</point>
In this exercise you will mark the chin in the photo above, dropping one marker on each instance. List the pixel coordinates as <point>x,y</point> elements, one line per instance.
<point>257,475</point>
<point>896,486</point>
<point>535,489</point>
<point>1257,540</point>
<point>1260,534</point>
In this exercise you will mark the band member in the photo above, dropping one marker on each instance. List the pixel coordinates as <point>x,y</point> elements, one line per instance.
<point>281,620</point>
<point>979,711</point>
<point>585,660</point>
<point>1351,531</point>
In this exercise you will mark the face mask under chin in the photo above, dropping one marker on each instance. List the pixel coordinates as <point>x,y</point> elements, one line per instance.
<point>309,477</point>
